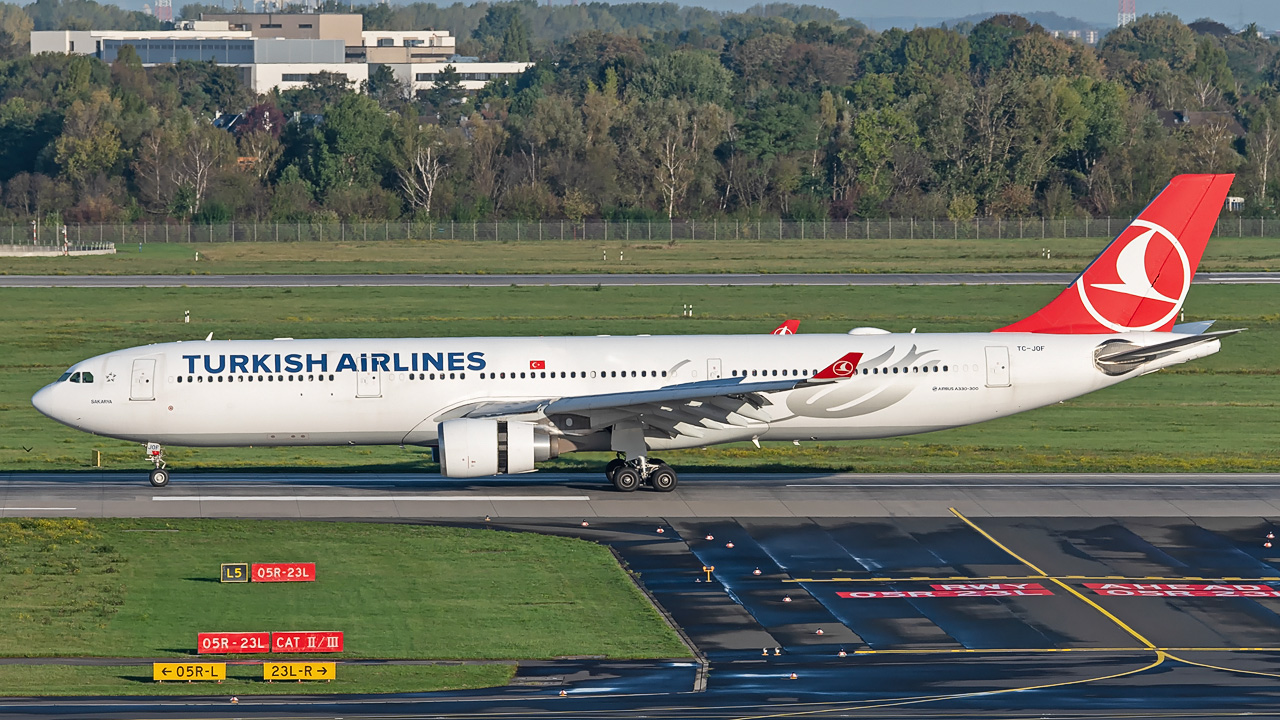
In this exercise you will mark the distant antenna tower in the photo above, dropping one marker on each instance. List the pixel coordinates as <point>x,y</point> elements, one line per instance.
<point>1128,13</point>
<point>164,10</point>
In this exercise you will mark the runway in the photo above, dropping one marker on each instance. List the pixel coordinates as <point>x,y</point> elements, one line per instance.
<point>586,495</point>
<point>960,596</point>
<point>583,280</point>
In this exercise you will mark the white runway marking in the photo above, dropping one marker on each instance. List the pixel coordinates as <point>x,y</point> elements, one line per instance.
<point>385,498</point>
<point>38,508</point>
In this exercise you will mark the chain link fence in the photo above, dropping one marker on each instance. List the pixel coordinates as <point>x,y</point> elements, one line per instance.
<point>608,231</point>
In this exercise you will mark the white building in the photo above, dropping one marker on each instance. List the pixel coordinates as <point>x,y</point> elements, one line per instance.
<point>474,75</point>
<point>287,50</point>
<point>264,63</point>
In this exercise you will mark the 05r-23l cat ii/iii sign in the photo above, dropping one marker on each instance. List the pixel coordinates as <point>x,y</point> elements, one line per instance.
<point>503,404</point>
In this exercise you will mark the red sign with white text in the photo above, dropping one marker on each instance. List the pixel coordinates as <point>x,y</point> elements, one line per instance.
<point>306,642</point>
<point>1182,590</point>
<point>236,642</point>
<point>955,591</point>
<point>284,572</point>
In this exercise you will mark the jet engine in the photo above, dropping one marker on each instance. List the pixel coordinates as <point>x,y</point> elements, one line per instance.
<point>475,447</point>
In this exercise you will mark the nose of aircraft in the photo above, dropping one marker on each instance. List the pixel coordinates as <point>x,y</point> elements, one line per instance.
<point>43,401</point>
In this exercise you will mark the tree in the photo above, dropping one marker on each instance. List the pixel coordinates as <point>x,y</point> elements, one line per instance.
<point>446,94</point>
<point>421,161</point>
<point>155,169</point>
<point>391,92</point>
<point>678,135</point>
<point>351,144</point>
<point>504,32</point>
<point>687,75</point>
<point>991,42</point>
<point>15,31</point>
<point>1263,143</point>
<point>90,140</point>
<point>204,152</point>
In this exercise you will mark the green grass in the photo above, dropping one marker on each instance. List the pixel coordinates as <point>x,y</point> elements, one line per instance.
<point>1219,413</point>
<point>720,256</point>
<point>36,680</point>
<point>145,588</point>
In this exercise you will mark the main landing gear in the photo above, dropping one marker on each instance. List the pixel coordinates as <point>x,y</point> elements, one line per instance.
<point>628,475</point>
<point>159,476</point>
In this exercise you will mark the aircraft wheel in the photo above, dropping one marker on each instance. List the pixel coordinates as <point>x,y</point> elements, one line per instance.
<point>159,477</point>
<point>612,468</point>
<point>626,479</point>
<point>664,479</point>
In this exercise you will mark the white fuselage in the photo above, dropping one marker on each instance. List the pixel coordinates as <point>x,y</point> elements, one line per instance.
<point>396,391</point>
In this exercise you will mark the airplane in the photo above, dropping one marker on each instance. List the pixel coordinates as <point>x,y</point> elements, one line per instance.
<point>502,405</point>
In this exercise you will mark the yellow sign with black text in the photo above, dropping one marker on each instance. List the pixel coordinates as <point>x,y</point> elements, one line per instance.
<point>298,670</point>
<point>235,572</point>
<point>186,672</point>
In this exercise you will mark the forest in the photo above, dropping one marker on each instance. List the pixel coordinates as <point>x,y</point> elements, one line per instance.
<point>647,111</point>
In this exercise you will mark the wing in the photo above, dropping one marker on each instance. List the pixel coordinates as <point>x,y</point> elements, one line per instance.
<point>688,409</point>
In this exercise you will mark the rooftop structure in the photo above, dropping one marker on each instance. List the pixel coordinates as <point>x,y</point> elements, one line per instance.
<point>286,50</point>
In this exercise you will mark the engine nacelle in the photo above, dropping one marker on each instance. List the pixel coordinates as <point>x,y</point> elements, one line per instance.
<point>475,447</point>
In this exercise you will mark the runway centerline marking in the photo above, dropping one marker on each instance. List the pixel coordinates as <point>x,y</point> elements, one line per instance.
<point>384,498</point>
<point>1138,636</point>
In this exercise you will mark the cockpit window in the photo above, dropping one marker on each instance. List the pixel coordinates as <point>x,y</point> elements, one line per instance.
<point>75,378</point>
<point>86,377</point>
<point>65,376</point>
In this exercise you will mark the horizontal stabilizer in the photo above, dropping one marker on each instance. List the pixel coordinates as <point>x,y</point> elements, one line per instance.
<point>1198,327</point>
<point>1153,352</point>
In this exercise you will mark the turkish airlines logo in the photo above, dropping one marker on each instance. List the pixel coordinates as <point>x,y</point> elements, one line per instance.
<point>1159,290</point>
<point>784,330</point>
<point>843,368</point>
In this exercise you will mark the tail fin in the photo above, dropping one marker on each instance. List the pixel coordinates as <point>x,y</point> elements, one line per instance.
<point>788,327</point>
<point>1139,281</point>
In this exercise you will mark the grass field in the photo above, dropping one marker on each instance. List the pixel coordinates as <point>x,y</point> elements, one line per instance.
<point>35,680</point>
<point>701,256</point>
<point>144,588</point>
<point>1216,414</point>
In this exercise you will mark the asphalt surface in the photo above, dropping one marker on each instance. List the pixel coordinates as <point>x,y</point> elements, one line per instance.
<point>585,495</point>
<point>1047,633</point>
<point>580,280</point>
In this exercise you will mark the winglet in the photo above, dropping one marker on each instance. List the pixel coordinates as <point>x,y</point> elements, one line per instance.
<point>845,367</point>
<point>788,327</point>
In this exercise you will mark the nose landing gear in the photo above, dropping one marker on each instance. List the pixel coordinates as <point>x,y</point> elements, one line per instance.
<point>628,475</point>
<point>159,476</point>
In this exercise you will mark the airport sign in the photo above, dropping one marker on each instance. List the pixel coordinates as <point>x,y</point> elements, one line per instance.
<point>299,671</point>
<point>958,590</point>
<point>161,672</point>
<point>284,572</point>
<point>235,572</point>
<point>306,641</point>
<point>1183,590</point>
<point>233,642</point>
